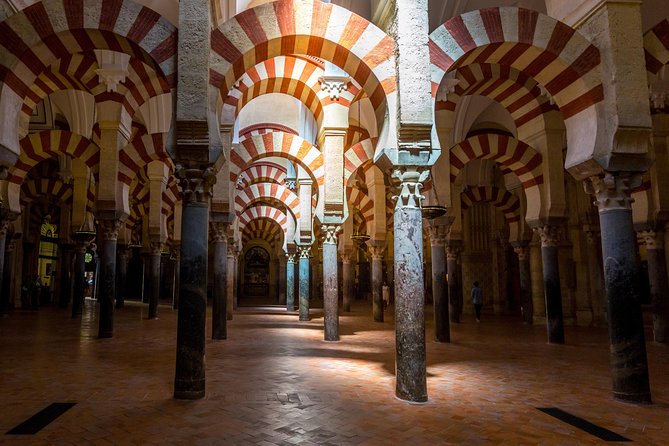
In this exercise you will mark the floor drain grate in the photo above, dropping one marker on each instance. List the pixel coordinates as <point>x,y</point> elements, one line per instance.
<point>582,424</point>
<point>41,419</point>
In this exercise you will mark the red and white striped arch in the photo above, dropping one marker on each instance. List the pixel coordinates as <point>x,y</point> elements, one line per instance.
<point>356,156</point>
<point>263,229</point>
<point>45,187</point>
<point>656,47</point>
<point>51,29</point>
<point>140,152</point>
<point>264,191</point>
<point>309,27</point>
<point>506,202</point>
<point>559,58</point>
<point>517,92</point>
<point>262,211</point>
<point>262,172</point>
<point>279,144</point>
<point>360,201</point>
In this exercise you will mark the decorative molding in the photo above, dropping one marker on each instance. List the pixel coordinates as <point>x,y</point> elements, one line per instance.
<point>113,68</point>
<point>613,191</point>
<point>330,233</point>
<point>196,184</point>
<point>410,181</point>
<point>109,228</point>
<point>334,85</point>
<point>304,251</point>
<point>549,235</point>
<point>219,231</point>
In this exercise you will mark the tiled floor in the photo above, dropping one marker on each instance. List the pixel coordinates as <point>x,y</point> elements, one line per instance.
<point>274,381</point>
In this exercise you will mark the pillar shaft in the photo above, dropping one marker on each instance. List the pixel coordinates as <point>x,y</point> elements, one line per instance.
<point>290,282</point>
<point>304,271</point>
<point>376,250</point>
<point>108,232</point>
<point>439,287</point>
<point>629,365</point>
<point>551,273</point>
<point>176,253</point>
<point>219,329</point>
<point>411,382</point>
<point>8,276</point>
<point>154,279</point>
<point>121,276</point>
<point>347,272</point>
<point>454,287</point>
<point>78,278</point>
<point>230,280</point>
<point>330,283</point>
<point>4,297</point>
<point>523,252</point>
<point>282,279</point>
<point>65,275</point>
<point>657,275</point>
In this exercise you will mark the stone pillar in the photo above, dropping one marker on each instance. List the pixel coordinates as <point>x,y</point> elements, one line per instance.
<point>550,238</point>
<point>4,298</point>
<point>79,273</point>
<point>376,250</point>
<point>219,329</point>
<point>523,251</point>
<point>596,270</point>
<point>442,329</point>
<point>189,381</point>
<point>176,253</point>
<point>122,257</point>
<point>108,236</point>
<point>629,365</point>
<point>235,280</point>
<point>7,277</point>
<point>230,304</point>
<point>330,282</point>
<point>659,289</point>
<point>304,252</point>
<point>454,286</point>
<point>65,274</point>
<point>282,279</point>
<point>347,272</point>
<point>154,279</point>
<point>410,361</point>
<point>290,282</point>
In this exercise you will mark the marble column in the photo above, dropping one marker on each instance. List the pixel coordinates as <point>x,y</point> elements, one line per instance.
<point>522,249</point>
<point>330,282</point>
<point>629,365</point>
<point>290,281</point>
<point>376,251</point>
<point>230,279</point>
<point>4,227</point>
<point>176,253</point>
<point>304,271</point>
<point>219,329</point>
<point>410,360</point>
<point>107,236</point>
<point>235,279</point>
<point>659,288</point>
<point>189,381</point>
<point>78,276</point>
<point>65,274</point>
<point>454,286</point>
<point>550,237</point>
<point>596,278</point>
<point>282,279</point>
<point>6,299</point>
<point>442,329</point>
<point>154,278</point>
<point>347,271</point>
<point>122,257</point>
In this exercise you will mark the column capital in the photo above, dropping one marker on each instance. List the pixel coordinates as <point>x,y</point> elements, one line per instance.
<point>334,85</point>
<point>377,250</point>
<point>304,251</point>
<point>156,248</point>
<point>292,257</point>
<point>330,233</point>
<point>438,234</point>
<point>522,251</point>
<point>175,250</point>
<point>548,234</point>
<point>409,180</point>
<point>219,231</point>
<point>653,239</point>
<point>452,252</point>
<point>109,228</point>
<point>6,219</point>
<point>196,184</point>
<point>346,257</point>
<point>613,190</point>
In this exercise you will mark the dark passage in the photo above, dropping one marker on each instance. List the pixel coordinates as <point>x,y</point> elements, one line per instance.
<point>582,424</point>
<point>41,419</point>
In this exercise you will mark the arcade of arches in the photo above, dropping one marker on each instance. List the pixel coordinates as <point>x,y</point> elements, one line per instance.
<point>309,153</point>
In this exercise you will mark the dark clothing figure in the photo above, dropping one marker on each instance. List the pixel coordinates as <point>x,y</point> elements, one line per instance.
<point>477,300</point>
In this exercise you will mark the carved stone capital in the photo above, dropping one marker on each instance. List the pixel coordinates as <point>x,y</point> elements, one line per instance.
<point>196,184</point>
<point>156,248</point>
<point>523,253</point>
<point>292,257</point>
<point>219,231</point>
<point>291,184</point>
<point>330,233</point>
<point>613,191</point>
<point>548,234</point>
<point>409,182</point>
<point>377,251</point>
<point>4,227</point>
<point>304,251</point>
<point>346,257</point>
<point>452,252</point>
<point>653,239</point>
<point>175,251</point>
<point>437,234</point>
<point>334,85</point>
<point>6,219</point>
<point>108,229</point>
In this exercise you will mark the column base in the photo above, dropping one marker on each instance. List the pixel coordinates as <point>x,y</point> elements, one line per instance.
<point>188,394</point>
<point>636,398</point>
<point>106,335</point>
<point>408,399</point>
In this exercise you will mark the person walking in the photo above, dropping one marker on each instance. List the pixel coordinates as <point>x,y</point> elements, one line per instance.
<point>477,300</point>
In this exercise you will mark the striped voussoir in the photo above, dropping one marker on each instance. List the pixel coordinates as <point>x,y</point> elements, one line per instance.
<point>359,200</point>
<point>357,155</point>
<point>308,27</point>
<point>37,147</point>
<point>139,152</point>
<point>262,172</point>
<point>506,202</point>
<point>78,72</point>
<point>263,211</point>
<point>267,191</point>
<point>554,54</point>
<point>514,90</point>
<point>263,229</point>
<point>263,128</point>
<point>45,187</point>
<point>355,134</point>
<point>656,47</point>
<point>513,154</point>
<point>279,144</point>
